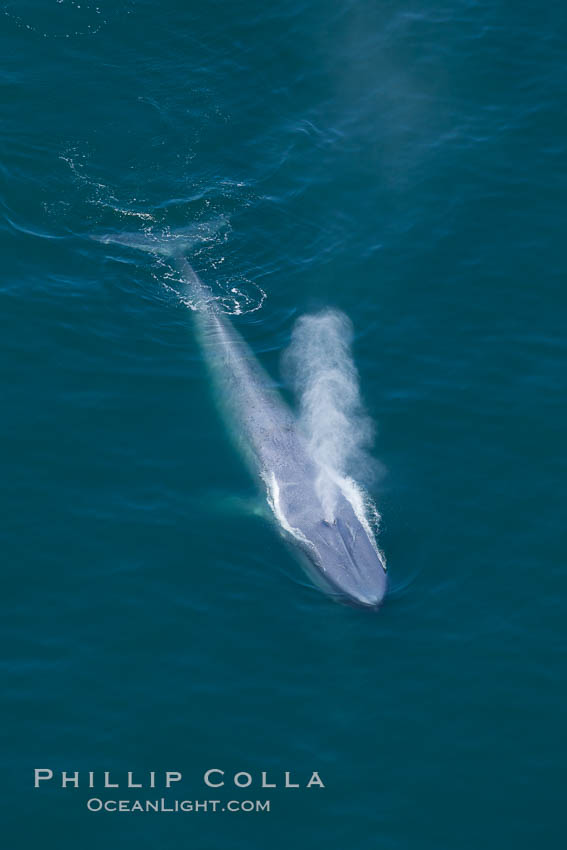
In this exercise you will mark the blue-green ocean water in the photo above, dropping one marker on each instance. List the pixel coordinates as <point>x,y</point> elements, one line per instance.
<point>404,163</point>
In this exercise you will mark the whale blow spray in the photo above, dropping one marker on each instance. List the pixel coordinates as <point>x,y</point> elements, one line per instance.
<point>331,413</point>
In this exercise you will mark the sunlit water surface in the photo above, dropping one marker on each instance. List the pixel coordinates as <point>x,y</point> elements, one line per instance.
<point>402,163</point>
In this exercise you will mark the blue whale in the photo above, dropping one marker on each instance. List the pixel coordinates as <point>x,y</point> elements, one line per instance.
<point>340,554</point>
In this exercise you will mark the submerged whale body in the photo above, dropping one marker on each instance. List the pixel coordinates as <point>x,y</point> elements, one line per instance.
<point>339,552</point>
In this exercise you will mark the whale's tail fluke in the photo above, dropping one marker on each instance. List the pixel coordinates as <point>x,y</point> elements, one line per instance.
<point>175,245</point>
<point>168,242</point>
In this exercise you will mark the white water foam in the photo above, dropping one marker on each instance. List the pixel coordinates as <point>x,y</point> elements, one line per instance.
<point>339,432</point>
<point>273,497</point>
<point>58,19</point>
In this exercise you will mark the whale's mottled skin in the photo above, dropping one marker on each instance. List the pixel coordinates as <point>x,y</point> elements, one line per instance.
<point>342,555</point>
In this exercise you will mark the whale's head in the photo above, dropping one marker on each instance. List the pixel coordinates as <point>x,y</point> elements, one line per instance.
<point>340,555</point>
<point>343,557</point>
